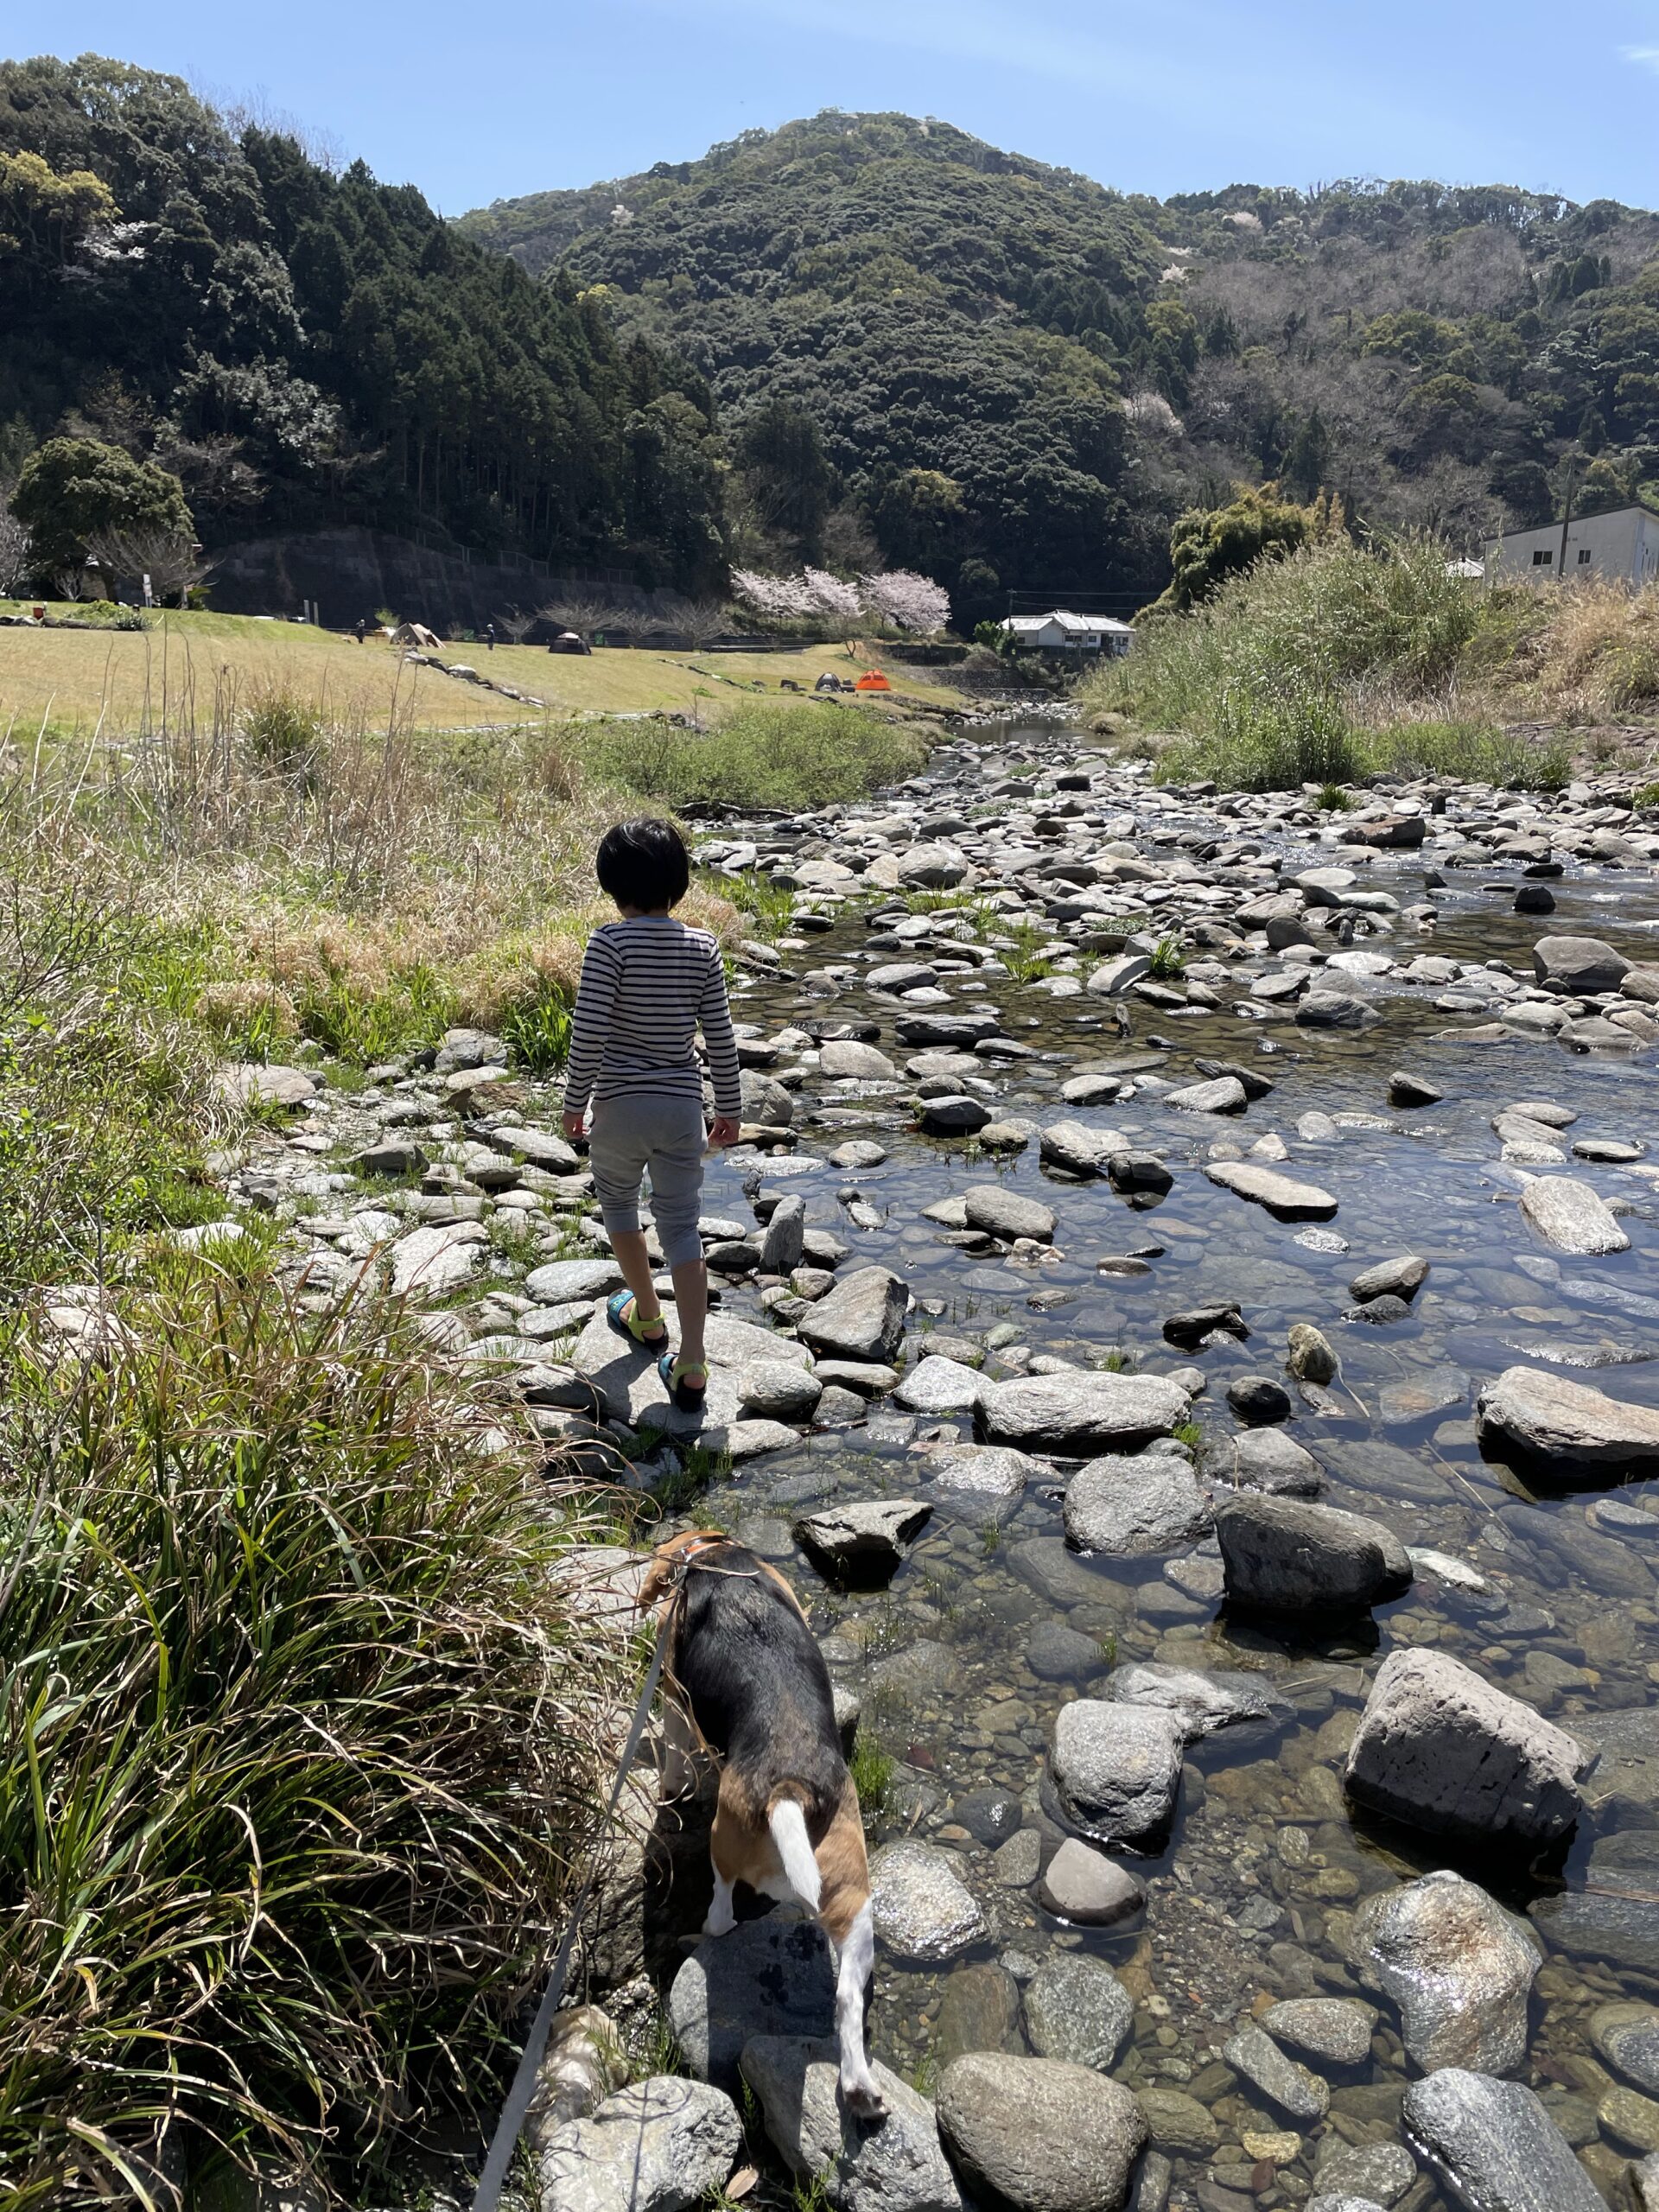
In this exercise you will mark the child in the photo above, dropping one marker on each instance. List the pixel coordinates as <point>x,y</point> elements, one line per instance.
<point>647,982</point>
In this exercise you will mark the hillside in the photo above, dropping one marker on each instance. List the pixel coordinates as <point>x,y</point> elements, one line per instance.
<point>1442,357</point>
<point>302,347</point>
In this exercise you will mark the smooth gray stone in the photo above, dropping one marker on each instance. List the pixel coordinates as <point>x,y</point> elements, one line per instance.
<point>1261,1459</point>
<point>1570,1426</point>
<point>862,1317</point>
<point>1570,1216</point>
<point>1578,965</point>
<point>1127,1507</point>
<point>1284,1197</point>
<point>1442,1749</point>
<point>1003,1212</point>
<point>1284,2081</point>
<point>1076,2009</point>
<point>1627,2035</point>
<point>657,2146</point>
<point>979,2009</point>
<point>1336,2029</point>
<point>1082,1886</point>
<point>941,1387</point>
<point>863,1539</point>
<point>1496,2145</point>
<point>1204,1700</point>
<point>1115,1770</point>
<point>1040,2135</point>
<point>1381,2172</point>
<point>1057,1653</point>
<point>923,1910</point>
<point>1082,1414</point>
<point>1459,1968</point>
<point>766,1977</point>
<point>1281,1555</point>
<point>1602,1924</point>
<point>560,1281</point>
<point>893,2165</point>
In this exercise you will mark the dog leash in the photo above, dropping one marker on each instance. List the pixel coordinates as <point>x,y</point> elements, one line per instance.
<point>505,2141</point>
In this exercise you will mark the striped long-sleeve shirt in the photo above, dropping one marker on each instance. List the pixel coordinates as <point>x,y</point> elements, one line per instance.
<point>646,985</point>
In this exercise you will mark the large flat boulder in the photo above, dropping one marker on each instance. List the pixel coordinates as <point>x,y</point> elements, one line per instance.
<point>1040,2134</point>
<point>1083,1415</point>
<point>1571,1428</point>
<point>1496,2145</point>
<point>1440,1748</point>
<point>1579,965</point>
<point>1282,1195</point>
<point>768,1977</point>
<point>659,2145</point>
<point>1287,1555</point>
<point>862,1317</point>
<point>1572,1217</point>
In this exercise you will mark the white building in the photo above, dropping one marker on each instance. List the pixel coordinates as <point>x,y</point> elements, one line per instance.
<point>1622,546</point>
<point>1061,632</point>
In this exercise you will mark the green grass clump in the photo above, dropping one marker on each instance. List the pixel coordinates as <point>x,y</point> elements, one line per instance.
<point>1647,795</point>
<point>300,1745</point>
<point>767,904</point>
<point>1471,752</point>
<point>1335,799</point>
<point>764,756</point>
<point>872,1768</point>
<point>1168,956</point>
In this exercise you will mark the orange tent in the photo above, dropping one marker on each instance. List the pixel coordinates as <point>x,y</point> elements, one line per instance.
<point>871,680</point>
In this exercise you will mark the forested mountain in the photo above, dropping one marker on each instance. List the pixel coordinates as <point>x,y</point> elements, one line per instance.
<point>302,347</point>
<point>964,326</point>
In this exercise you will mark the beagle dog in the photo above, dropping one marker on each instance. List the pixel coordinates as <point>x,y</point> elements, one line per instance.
<point>748,1673</point>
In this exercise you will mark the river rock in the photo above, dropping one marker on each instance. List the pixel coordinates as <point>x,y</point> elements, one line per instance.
<point>1283,1196</point>
<point>1265,1459</point>
<point>1082,1886</point>
<point>428,1261</point>
<point>1039,2134</point>
<point>1223,1095</point>
<point>1336,2029</point>
<point>1204,1700</point>
<point>1055,1653</point>
<point>1570,1215</point>
<point>1258,1401</point>
<point>1081,1415</point>
<point>1003,1212</point>
<point>941,1387</point>
<point>767,1977</point>
<point>863,1540</point>
<point>1458,1967</point>
<point>784,1245</point>
<point>923,1910</point>
<point>1309,1357</point>
<point>1403,1278</point>
<point>1440,1748</point>
<point>979,2009</point>
<point>1125,1508</point>
<point>1381,2173</point>
<point>1407,1090</point>
<point>1115,1770</point>
<point>1078,1149</point>
<point>1496,2145</point>
<point>1281,1555</point>
<point>775,1389</point>
<point>1281,2080</point>
<point>1570,1426</point>
<point>846,1058</point>
<point>862,1317</point>
<point>932,868</point>
<point>656,2147</point>
<point>1327,1009</point>
<point>564,1279</point>
<point>893,2165</point>
<point>1075,2007</point>
<point>1580,966</point>
<point>1627,2035</point>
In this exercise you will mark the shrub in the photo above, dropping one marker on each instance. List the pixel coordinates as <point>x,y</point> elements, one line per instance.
<point>764,756</point>
<point>300,1743</point>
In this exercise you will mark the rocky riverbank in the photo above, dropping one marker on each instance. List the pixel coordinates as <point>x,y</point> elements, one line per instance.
<point>1188,1325</point>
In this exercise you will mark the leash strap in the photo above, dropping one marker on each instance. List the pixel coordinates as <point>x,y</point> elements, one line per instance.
<point>506,2139</point>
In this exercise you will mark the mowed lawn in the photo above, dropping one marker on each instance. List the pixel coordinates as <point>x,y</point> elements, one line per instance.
<point>75,679</point>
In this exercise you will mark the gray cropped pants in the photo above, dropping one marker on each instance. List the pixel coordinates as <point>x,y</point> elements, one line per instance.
<point>664,1136</point>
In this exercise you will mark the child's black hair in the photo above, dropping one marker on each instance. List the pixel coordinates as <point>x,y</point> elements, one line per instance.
<point>643,864</point>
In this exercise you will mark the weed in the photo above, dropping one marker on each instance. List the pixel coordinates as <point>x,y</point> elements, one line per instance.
<point>764,756</point>
<point>1117,1361</point>
<point>1188,1433</point>
<point>1335,799</point>
<point>537,1033</point>
<point>1108,1649</point>
<point>1168,956</point>
<point>925,2077</point>
<point>766,903</point>
<point>1646,795</point>
<point>872,1768</point>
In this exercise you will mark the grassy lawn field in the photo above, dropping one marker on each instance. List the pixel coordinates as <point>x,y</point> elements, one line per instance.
<point>69,678</point>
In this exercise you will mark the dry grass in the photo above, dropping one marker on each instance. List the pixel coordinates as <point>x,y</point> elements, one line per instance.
<point>126,681</point>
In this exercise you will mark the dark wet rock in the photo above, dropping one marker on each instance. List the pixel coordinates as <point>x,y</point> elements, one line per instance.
<point>1496,2145</point>
<point>863,1541</point>
<point>1040,2135</point>
<point>1258,1401</point>
<point>1627,2035</point>
<point>1328,1009</point>
<point>1403,1278</point>
<point>923,1910</point>
<point>1407,1090</point>
<point>1440,1748</point>
<point>1204,1700</point>
<point>1179,2123</point>
<point>784,1245</point>
<point>1579,965</point>
<point>1115,1770</point>
<point>1337,2030</point>
<point>989,1815</point>
<point>1619,1924</point>
<point>1132,1172</point>
<point>952,1115</point>
<point>1082,1886</point>
<point>1003,1212</point>
<point>893,2165</point>
<point>1250,1080</point>
<point>1570,1216</point>
<point>1126,1507</point>
<point>1569,1427</point>
<point>1282,1195</point>
<point>659,2145</point>
<point>963,1031</point>
<point>1076,2009</point>
<point>1194,1323</point>
<point>1281,1555</point>
<point>767,1977</point>
<point>1388,832</point>
<point>1283,2080</point>
<point>862,1317</point>
<point>979,2009</point>
<point>1378,1313</point>
<point>1081,1413</point>
<point>1055,1653</point>
<point>1265,1459</point>
<point>1458,1967</point>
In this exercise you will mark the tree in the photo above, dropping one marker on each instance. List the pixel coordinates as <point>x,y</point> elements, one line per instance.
<point>71,490</point>
<point>1308,461</point>
<point>518,622</point>
<point>15,552</point>
<point>45,217</point>
<point>1206,546</point>
<point>922,520</point>
<point>906,600</point>
<point>173,561</point>
<point>788,479</point>
<point>587,613</point>
<point>701,620</point>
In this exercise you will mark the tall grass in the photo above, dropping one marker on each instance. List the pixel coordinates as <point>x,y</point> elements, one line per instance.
<point>791,757</point>
<point>300,1738</point>
<point>1345,660</point>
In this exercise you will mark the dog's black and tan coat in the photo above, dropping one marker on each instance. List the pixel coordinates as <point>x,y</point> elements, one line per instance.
<point>747,1669</point>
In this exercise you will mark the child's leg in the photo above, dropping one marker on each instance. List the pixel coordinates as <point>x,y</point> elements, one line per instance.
<point>619,1145</point>
<point>676,1207</point>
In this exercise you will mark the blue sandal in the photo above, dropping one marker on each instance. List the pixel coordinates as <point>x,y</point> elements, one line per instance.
<point>688,1396</point>
<point>622,1313</point>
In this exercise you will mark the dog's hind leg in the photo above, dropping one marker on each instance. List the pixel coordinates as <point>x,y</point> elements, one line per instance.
<point>722,1919</point>
<point>859,2087</point>
<point>727,1865</point>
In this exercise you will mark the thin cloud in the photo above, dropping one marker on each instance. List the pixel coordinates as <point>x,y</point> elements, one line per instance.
<point>1646,57</point>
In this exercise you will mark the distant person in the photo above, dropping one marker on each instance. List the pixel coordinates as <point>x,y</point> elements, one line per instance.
<point>360,629</point>
<point>489,636</point>
<point>648,983</point>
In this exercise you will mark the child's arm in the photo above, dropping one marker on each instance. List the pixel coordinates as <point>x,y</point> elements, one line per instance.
<point>595,998</point>
<point>714,1015</point>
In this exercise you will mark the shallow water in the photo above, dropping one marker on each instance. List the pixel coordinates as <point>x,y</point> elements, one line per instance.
<point>1267,1862</point>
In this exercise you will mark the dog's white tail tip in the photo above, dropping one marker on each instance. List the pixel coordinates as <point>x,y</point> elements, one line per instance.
<point>788,1826</point>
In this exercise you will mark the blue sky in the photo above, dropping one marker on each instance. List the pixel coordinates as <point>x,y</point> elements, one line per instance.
<point>481,103</point>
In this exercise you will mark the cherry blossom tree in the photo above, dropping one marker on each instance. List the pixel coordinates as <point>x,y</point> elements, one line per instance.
<point>906,600</point>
